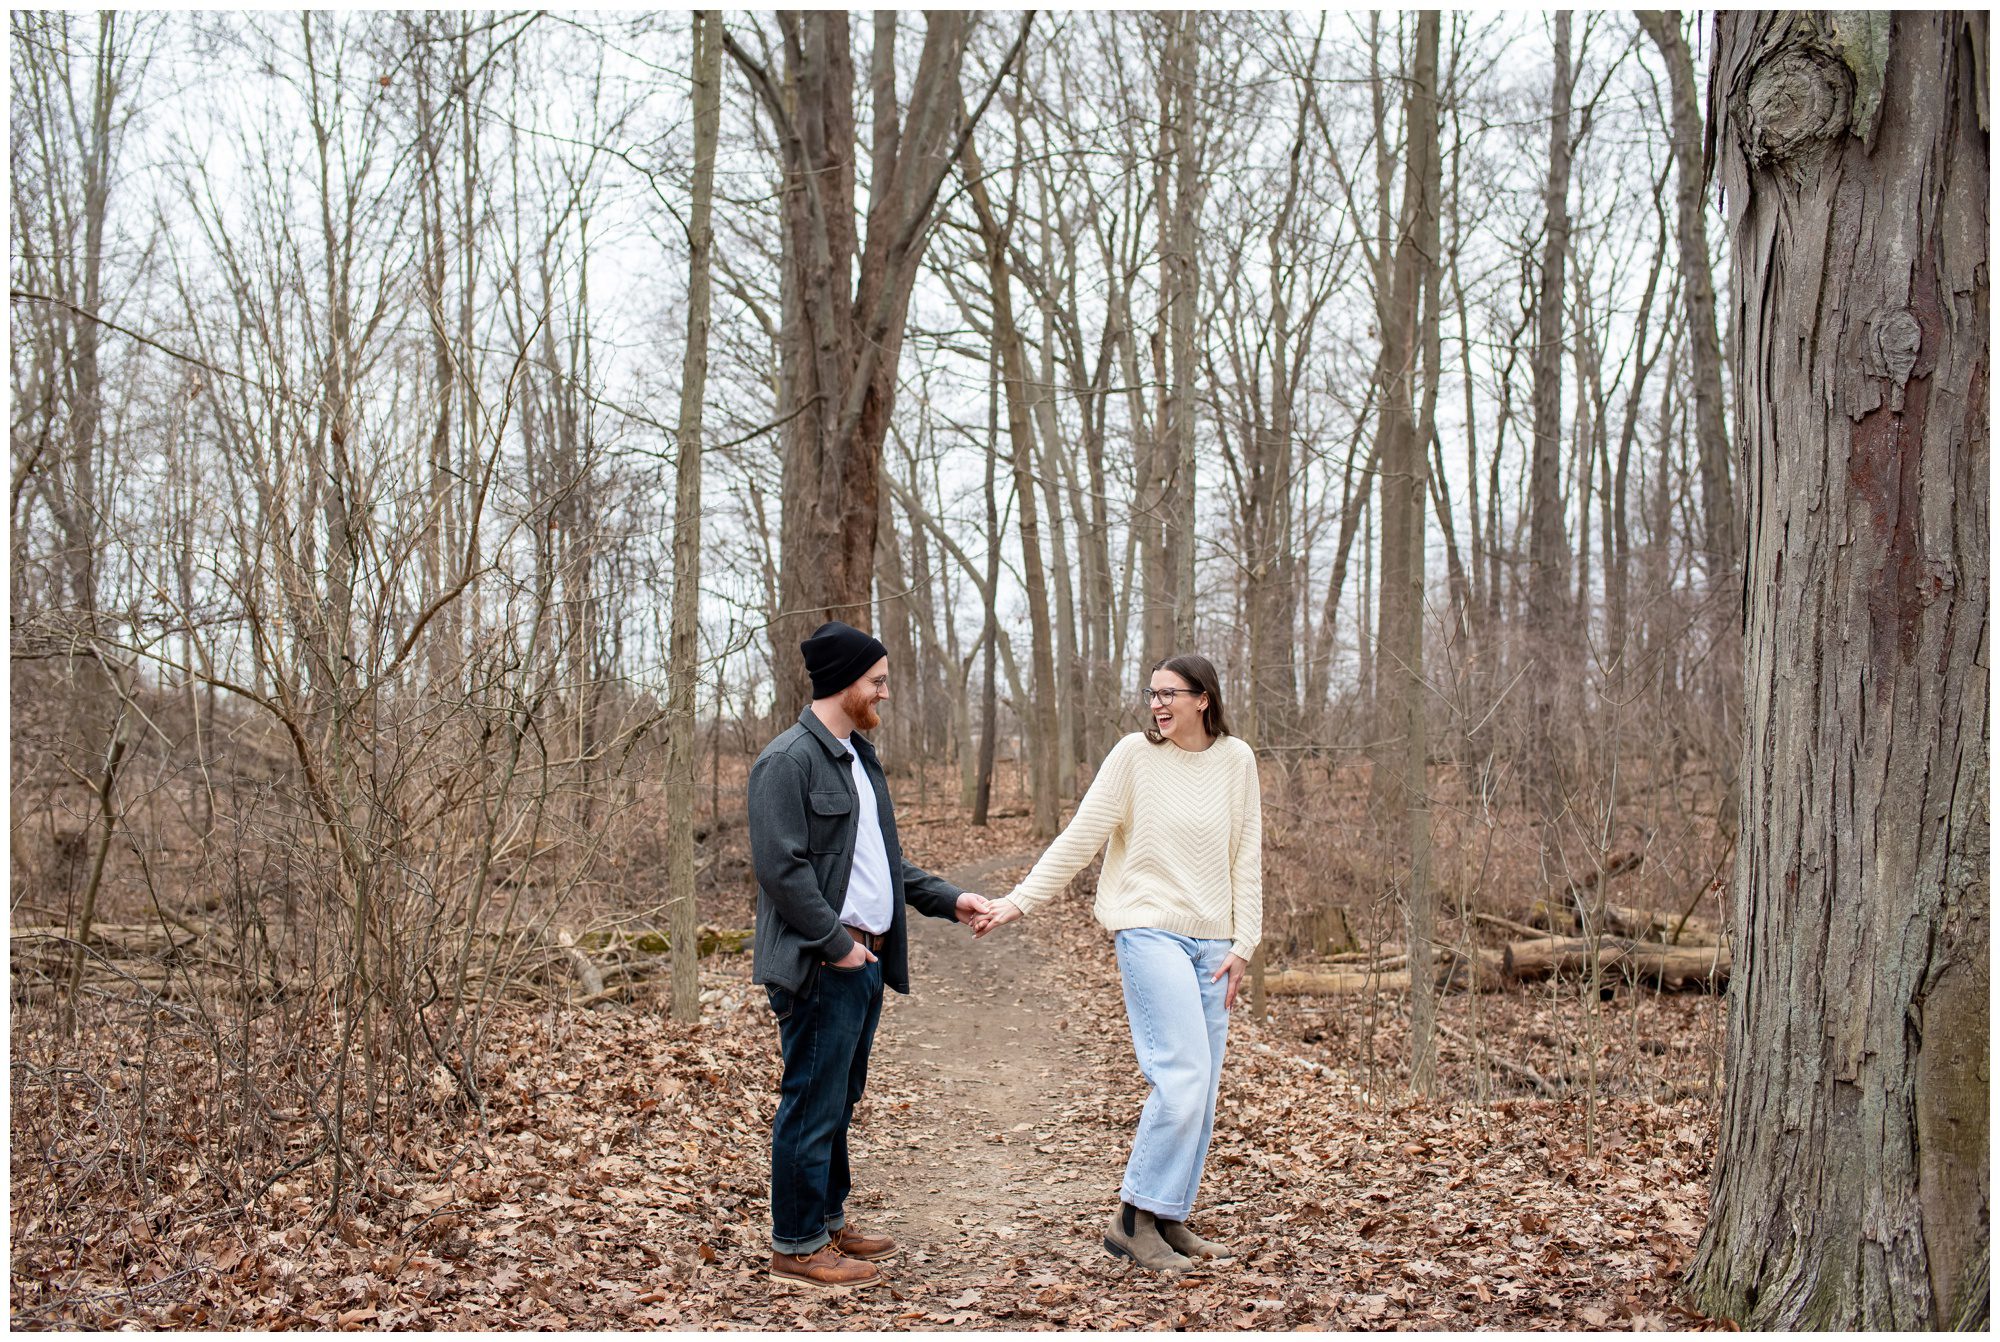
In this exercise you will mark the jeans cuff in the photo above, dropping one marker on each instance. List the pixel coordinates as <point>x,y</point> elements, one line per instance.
<point>799,1247</point>
<point>837,1221</point>
<point>1160,1210</point>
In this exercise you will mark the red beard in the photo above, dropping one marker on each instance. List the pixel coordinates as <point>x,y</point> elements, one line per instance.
<point>858,703</point>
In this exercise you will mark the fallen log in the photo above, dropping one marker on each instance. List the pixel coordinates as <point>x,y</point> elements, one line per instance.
<point>1668,966</point>
<point>1306,983</point>
<point>1381,955</point>
<point>127,938</point>
<point>1474,968</point>
<point>187,960</point>
<point>1554,914</point>
<point>716,824</point>
<point>1644,925</point>
<point>1470,967</point>
<point>654,941</point>
<point>1621,920</point>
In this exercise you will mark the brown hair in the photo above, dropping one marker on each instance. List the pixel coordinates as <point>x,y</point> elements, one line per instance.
<point>1199,673</point>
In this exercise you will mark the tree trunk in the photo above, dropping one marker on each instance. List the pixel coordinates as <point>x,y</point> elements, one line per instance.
<point>1719,683</point>
<point>844,334</point>
<point>1719,530</point>
<point>1071,687</point>
<point>1409,313</point>
<point>895,739</point>
<point>1364,645</point>
<point>1036,721</point>
<point>1271,573</point>
<point>686,631</point>
<point>1551,638</point>
<point>1420,213</point>
<point>1170,576</point>
<point>989,637</point>
<point>1359,485</point>
<point>1850,1187</point>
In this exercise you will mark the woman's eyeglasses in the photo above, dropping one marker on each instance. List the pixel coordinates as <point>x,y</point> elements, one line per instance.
<point>1164,696</point>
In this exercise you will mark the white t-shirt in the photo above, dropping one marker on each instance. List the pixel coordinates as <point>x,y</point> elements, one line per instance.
<point>871,900</point>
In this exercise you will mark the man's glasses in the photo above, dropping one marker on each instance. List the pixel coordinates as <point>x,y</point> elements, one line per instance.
<point>1163,696</point>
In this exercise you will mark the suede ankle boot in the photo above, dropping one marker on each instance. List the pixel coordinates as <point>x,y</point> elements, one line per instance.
<point>1184,1241</point>
<point>1134,1235</point>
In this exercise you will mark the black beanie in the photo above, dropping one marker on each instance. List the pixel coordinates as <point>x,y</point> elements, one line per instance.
<point>837,654</point>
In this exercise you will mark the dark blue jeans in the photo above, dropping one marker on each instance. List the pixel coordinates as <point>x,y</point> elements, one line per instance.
<point>824,1036</point>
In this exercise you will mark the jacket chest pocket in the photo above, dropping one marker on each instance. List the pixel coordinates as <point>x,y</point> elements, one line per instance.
<point>830,819</point>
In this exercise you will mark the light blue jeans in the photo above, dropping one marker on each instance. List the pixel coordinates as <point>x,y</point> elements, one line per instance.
<point>1179,1028</point>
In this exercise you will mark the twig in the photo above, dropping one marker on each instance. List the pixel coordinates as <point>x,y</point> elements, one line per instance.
<point>108,818</point>
<point>1521,929</point>
<point>1507,1065</point>
<point>1674,936</point>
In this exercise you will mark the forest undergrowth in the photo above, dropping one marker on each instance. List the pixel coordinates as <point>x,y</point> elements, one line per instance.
<point>616,1176</point>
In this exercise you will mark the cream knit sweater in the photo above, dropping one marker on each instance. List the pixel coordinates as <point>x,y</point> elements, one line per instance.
<point>1186,842</point>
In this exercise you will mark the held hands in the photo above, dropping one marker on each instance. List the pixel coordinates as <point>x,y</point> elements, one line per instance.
<point>1232,969</point>
<point>971,908</point>
<point>998,913</point>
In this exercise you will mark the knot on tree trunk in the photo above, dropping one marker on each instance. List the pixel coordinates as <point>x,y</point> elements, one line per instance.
<point>1897,340</point>
<point>1799,98</point>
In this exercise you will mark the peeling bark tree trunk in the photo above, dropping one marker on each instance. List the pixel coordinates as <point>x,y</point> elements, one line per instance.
<point>1851,1179</point>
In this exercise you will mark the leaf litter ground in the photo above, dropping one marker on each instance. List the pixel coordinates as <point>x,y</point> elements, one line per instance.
<point>620,1181</point>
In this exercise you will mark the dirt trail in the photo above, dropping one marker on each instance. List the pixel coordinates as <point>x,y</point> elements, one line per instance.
<point>965,1149</point>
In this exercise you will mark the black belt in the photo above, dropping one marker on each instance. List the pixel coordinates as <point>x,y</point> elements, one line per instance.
<point>874,941</point>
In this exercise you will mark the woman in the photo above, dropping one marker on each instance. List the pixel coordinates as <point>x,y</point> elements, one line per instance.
<point>1183,892</point>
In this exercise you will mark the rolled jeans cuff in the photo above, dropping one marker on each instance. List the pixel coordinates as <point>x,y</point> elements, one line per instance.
<point>800,1247</point>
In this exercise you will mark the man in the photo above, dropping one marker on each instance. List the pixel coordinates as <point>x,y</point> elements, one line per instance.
<point>831,885</point>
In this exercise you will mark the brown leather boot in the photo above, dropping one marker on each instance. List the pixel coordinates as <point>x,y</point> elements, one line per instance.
<point>826,1268</point>
<point>856,1243</point>
<point>1185,1241</point>
<point>1143,1244</point>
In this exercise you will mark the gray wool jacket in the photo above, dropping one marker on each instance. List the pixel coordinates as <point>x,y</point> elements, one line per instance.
<point>802,812</point>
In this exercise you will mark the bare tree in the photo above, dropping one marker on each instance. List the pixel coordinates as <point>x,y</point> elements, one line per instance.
<point>681,762</point>
<point>1041,730</point>
<point>1269,352</point>
<point>1410,333</point>
<point>1720,537</point>
<point>1166,459</point>
<point>844,329</point>
<point>1551,625</point>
